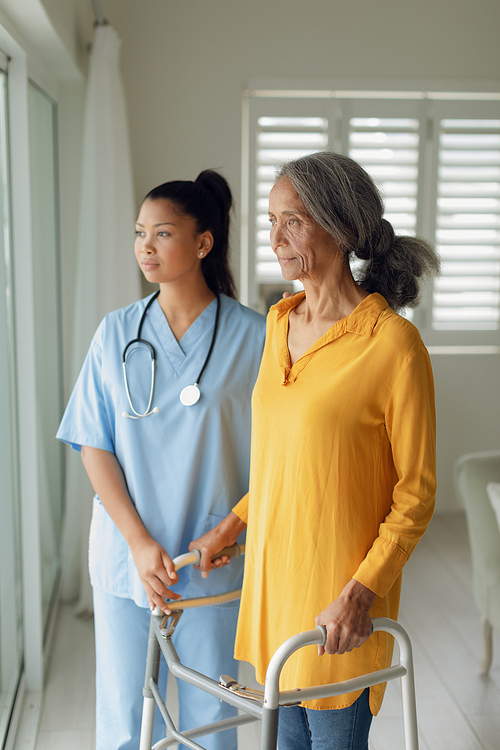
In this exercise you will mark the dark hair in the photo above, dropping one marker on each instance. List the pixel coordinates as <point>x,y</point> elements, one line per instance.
<point>208,201</point>
<point>343,199</point>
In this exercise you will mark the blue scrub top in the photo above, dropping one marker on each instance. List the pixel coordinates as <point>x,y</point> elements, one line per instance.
<point>185,466</point>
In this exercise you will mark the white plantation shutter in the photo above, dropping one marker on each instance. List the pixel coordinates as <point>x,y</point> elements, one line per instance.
<point>388,148</point>
<point>436,160</point>
<point>279,139</point>
<point>467,295</point>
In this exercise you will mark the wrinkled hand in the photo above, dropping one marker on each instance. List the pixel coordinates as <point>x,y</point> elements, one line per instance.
<point>347,619</point>
<point>223,535</point>
<point>156,571</point>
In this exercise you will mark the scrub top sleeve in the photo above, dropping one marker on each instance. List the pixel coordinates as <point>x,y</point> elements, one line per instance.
<point>86,419</point>
<point>411,427</point>
<point>241,509</point>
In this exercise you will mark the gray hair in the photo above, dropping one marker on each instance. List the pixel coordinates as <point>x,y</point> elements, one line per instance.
<point>340,196</point>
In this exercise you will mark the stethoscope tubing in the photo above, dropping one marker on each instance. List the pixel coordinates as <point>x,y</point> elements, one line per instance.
<point>140,340</point>
<point>143,342</point>
<point>212,343</point>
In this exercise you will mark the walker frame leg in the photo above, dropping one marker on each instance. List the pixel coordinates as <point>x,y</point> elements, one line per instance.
<point>149,702</point>
<point>269,730</point>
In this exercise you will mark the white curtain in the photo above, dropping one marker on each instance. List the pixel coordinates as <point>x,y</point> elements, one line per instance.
<point>107,274</point>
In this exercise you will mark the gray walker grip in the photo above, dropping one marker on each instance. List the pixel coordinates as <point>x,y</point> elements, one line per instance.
<point>235,550</point>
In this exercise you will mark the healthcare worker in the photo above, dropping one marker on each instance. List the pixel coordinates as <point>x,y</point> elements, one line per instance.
<point>163,425</point>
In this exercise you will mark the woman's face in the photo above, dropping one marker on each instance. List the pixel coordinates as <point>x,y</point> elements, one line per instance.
<point>303,248</point>
<point>167,245</point>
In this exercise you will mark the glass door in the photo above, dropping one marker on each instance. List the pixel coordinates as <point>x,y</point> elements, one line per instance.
<point>11,643</point>
<point>48,357</point>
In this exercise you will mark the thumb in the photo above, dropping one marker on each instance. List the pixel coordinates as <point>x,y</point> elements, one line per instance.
<point>170,567</point>
<point>205,564</point>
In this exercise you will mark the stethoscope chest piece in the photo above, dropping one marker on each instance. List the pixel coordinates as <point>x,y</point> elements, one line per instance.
<point>190,395</point>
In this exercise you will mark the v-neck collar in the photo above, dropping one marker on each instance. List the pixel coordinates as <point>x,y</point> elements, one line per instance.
<point>361,321</point>
<point>178,351</point>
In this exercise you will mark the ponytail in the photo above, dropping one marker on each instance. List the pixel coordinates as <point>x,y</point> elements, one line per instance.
<point>395,265</point>
<point>208,201</point>
<point>215,265</point>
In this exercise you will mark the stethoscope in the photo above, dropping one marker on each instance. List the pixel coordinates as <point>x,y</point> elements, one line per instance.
<point>190,394</point>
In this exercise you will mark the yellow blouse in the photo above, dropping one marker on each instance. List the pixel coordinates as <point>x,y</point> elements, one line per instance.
<point>342,485</point>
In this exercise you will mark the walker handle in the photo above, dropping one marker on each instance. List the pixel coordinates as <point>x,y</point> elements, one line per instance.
<point>194,557</point>
<point>235,550</point>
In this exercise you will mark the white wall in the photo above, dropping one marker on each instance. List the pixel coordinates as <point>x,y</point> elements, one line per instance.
<point>468,413</point>
<point>185,64</point>
<point>57,32</point>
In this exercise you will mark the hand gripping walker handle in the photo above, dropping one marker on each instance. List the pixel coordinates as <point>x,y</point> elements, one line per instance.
<point>235,550</point>
<point>194,557</point>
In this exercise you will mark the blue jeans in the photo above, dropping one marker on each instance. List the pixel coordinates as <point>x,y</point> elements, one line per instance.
<point>336,729</point>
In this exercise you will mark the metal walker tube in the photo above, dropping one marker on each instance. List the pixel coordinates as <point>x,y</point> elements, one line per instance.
<point>148,705</point>
<point>268,709</point>
<point>273,698</point>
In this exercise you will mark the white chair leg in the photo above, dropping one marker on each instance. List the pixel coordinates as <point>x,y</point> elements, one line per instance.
<point>488,646</point>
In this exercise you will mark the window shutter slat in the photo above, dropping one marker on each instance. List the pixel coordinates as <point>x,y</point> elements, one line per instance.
<point>467,296</point>
<point>279,139</point>
<point>388,148</point>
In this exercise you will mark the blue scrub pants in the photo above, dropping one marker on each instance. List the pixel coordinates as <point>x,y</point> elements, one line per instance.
<point>336,729</point>
<point>204,640</point>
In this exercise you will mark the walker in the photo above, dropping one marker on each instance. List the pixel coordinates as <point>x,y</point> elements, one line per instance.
<point>254,703</point>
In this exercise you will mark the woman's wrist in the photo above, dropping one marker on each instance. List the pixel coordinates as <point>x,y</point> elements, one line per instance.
<point>136,535</point>
<point>357,591</point>
<point>232,526</point>
<point>226,532</point>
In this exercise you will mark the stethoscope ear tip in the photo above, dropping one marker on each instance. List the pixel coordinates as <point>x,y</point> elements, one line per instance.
<point>156,410</point>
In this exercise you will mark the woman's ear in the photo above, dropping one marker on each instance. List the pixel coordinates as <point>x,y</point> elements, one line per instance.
<point>206,243</point>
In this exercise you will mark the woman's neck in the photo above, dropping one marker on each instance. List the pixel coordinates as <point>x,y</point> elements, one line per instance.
<point>183,303</point>
<point>326,302</point>
<point>331,297</point>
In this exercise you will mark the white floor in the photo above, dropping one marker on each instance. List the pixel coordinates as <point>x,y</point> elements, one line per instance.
<point>457,708</point>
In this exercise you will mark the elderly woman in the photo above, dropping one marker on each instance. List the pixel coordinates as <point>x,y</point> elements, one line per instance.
<point>342,478</point>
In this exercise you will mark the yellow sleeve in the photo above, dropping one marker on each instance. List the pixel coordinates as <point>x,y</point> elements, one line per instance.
<point>411,428</point>
<point>241,509</point>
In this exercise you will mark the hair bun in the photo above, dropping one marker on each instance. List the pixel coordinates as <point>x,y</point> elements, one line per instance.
<point>386,236</point>
<point>218,187</point>
<point>380,243</point>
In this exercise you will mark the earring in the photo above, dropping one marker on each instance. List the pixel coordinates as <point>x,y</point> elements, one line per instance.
<point>201,254</point>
